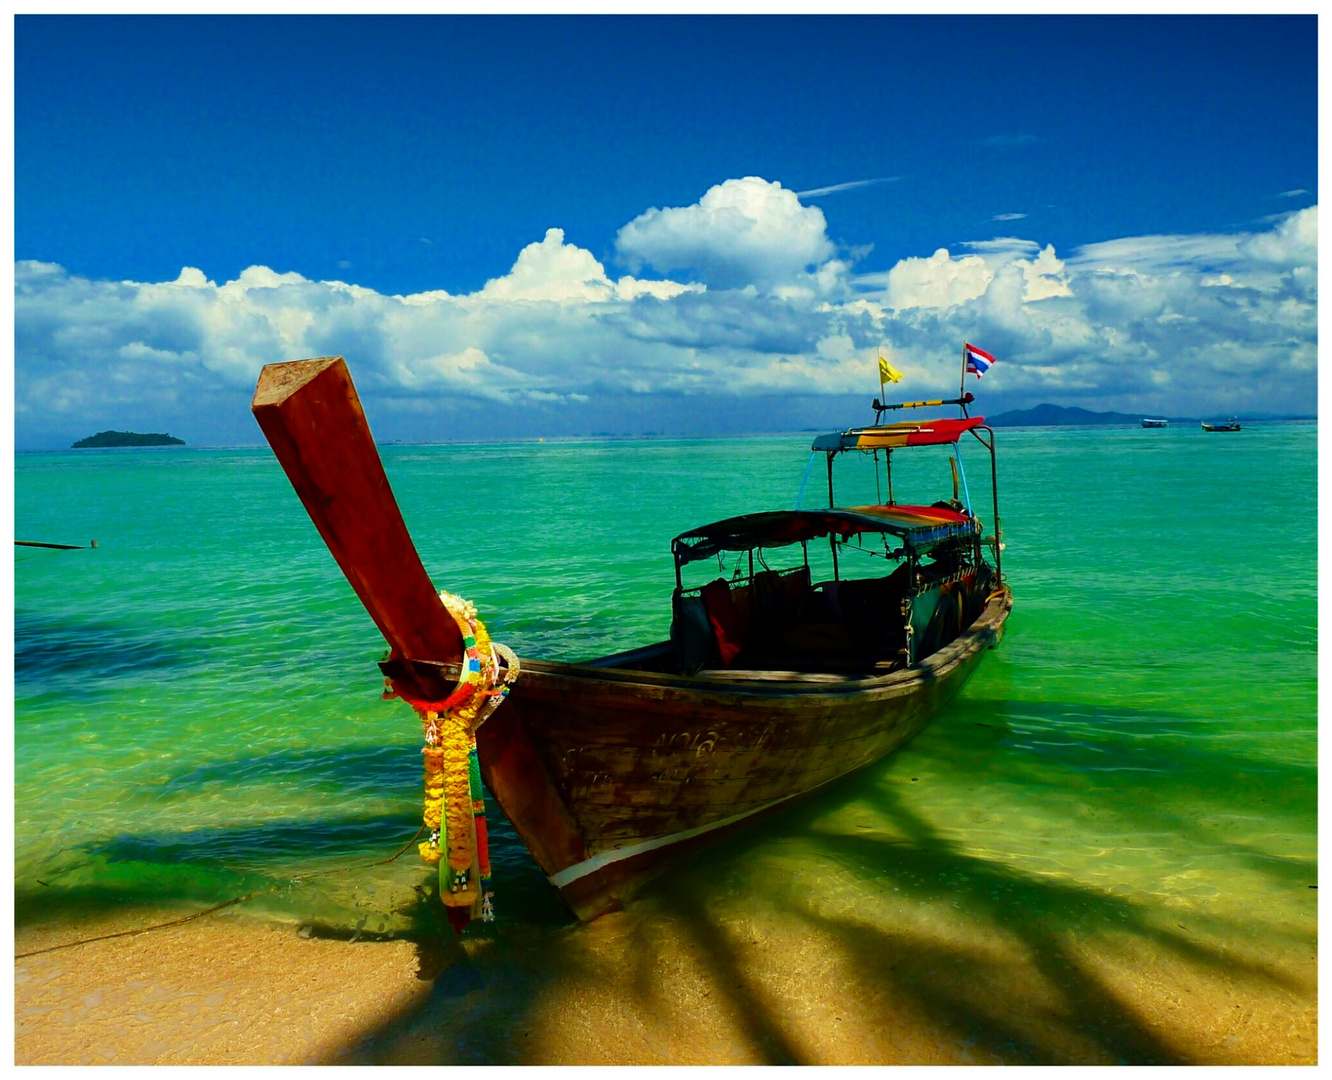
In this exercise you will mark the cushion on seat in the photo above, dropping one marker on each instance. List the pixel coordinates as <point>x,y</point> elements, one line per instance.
<point>730,625</point>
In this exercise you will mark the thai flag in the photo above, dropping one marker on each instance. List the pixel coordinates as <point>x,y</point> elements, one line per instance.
<point>978,360</point>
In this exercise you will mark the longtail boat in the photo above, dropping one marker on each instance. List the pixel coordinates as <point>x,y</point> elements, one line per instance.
<point>770,685</point>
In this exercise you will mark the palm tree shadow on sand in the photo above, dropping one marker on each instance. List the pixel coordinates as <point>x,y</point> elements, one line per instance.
<point>985,960</point>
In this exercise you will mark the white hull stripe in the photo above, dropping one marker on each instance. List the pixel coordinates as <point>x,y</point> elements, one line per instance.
<point>571,874</point>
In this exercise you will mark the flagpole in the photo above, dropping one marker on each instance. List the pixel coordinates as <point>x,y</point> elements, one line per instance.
<point>962,386</point>
<point>883,392</point>
<point>888,454</point>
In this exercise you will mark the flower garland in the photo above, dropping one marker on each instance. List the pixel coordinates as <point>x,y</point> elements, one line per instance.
<point>454,804</point>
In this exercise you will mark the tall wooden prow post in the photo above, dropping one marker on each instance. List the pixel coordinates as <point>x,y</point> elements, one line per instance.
<point>311,416</point>
<point>309,411</point>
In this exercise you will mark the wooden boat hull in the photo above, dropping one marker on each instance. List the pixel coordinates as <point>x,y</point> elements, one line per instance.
<point>607,774</point>
<point>609,769</point>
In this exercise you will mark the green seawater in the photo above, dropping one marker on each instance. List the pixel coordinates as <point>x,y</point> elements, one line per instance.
<point>198,712</point>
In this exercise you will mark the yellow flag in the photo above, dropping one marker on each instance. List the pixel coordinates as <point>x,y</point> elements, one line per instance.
<point>888,373</point>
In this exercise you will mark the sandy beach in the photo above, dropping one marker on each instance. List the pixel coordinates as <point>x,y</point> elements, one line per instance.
<point>666,984</point>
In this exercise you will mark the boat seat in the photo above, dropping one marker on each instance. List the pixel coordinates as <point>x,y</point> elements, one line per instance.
<point>780,596</point>
<point>730,614</point>
<point>822,605</point>
<point>691,633</point>
<point>871,609</point>
<point>722,621</point>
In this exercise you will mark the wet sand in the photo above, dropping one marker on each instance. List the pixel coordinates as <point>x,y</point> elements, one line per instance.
<point>220,990</point>
<point>668,982</point>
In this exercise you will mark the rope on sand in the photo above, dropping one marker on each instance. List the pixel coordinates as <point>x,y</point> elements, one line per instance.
<point>218,907</point>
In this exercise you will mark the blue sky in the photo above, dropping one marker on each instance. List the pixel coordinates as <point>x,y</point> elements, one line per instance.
<point>1125,209</point>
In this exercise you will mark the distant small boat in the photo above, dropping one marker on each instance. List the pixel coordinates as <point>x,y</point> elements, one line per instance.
<point>1230,425</point>
<point>1155,423</point>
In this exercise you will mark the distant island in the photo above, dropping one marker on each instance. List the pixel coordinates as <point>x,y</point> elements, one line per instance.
<point>126,438</point>
<point>1057,415</point>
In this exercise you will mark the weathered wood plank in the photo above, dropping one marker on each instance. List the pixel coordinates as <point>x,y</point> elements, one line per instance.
<point>640,762</point>
<point>517,776</point>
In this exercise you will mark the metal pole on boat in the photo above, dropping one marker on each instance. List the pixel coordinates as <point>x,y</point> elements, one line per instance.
<point>998,537</point>
<point>964,400</point>
<point>800,499</point>
<point>966,492</point>
<point>832,536</point>
<point>998,531</point>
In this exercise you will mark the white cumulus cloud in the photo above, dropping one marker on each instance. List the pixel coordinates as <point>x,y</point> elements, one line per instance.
<point>939,281</point>
<point>565,274</point>
<point>742,232</point>
<point>1294,242</point>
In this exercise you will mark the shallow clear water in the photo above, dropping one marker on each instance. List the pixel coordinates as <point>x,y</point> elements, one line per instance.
<point>198,712</point>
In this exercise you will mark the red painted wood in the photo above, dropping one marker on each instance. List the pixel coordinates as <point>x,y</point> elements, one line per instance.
<point>312,418</point>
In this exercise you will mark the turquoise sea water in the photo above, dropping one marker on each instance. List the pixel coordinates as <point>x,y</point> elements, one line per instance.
<point>197,710</point>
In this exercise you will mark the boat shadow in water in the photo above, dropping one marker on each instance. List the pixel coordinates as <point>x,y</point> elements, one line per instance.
<point>322,870</point>
<point>374,767</point>
<point>863,926</point>
<point>76,653</point>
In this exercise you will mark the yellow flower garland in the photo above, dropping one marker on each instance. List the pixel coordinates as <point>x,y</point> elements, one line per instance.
<point>434,798</point>
<point>450,735</point>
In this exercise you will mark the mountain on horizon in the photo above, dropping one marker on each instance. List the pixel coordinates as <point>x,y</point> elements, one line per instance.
<point>1047,415</point>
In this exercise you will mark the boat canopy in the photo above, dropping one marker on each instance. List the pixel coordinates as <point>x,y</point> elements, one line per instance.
<point>891,436</point>
<point>921,527</point>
